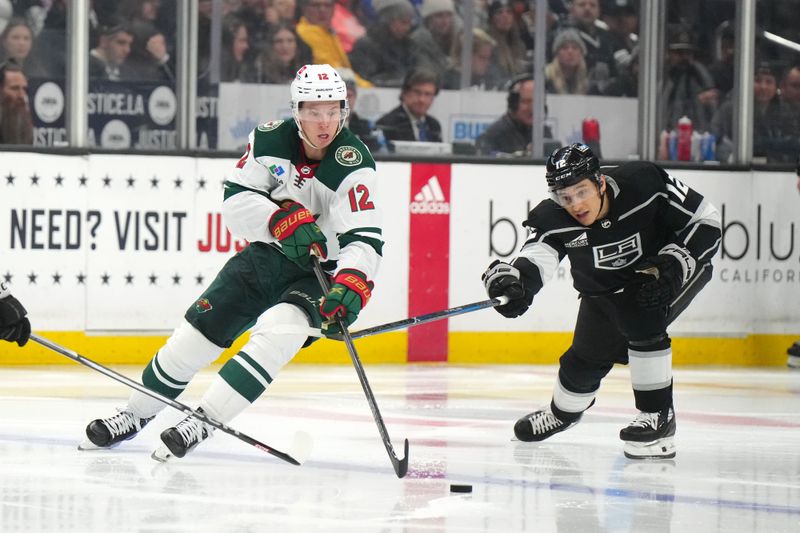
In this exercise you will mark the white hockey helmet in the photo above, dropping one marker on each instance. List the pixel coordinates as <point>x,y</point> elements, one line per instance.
<point>318,83</point>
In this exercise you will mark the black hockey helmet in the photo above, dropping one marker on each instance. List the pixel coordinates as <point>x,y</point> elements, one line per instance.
<point>571,164</point>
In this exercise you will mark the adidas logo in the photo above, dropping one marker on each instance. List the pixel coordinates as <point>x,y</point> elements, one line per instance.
<point>580,240</point>
<point>430,200</point>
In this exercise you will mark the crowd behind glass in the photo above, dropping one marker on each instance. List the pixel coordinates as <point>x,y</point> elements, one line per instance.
<point>592,49</point>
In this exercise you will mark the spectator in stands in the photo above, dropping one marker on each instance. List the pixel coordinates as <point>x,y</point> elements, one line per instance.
<point>258,16</point>
<point>767,136</point>
<point>316,30</point>
<point>525,19</point>
<point>688,89</point>
<point>722,68</point>
<point>512,133</point>
<point>436,42</point>
<point>16,123</point>
<point>567,73</point>
<point>384,55</point>
<point>410,120</point>
<point>235,64</point>
<point>285,55</point>
<point>139,10</point>
<point>286,9</point>
<point>626,83</point>
<point>149,59</point>
<point>16,42</point>
<point>49,57</point>
<point>346,24</point>
<point>361,127</point>
<point>108,59</point>
<point>790,111</point>
<point>623,25</point>
<point>583,16</point>
<point>486,74</point>
<point>510,52</point>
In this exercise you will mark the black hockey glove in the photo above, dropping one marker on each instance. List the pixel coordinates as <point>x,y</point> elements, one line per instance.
<point>14,325</point>
<point>502,279</point>
<point>658,280</point>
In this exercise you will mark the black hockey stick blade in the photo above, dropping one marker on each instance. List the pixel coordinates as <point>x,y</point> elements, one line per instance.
<point>400,465</point>
<point>301,447</point>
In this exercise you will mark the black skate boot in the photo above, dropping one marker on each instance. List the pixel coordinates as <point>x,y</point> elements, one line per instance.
<point>540,425</point>
<point>650,435</point>
<point>108,432</point>
<point>181,439</point>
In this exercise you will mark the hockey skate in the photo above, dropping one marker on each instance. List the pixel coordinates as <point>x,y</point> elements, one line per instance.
<point>540,425</point>
<point>108,432</point>
<point>181,439</point>
<point>650,435</point>
<point>794,355</point>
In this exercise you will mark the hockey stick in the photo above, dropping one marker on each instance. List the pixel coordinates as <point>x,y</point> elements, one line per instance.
<point>399,324</point>
<point>400,465</point>
<point>301,445</point>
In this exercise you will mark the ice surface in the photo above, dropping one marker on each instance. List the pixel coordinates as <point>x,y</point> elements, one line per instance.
<point>737,466</point>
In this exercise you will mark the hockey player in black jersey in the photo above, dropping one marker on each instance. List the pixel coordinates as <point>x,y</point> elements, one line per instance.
<point>640,244</point>
<point>14,325</point>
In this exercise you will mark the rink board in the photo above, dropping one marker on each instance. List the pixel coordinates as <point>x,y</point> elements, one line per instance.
<point>108,251</point>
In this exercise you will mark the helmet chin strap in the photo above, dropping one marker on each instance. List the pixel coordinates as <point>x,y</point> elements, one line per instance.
<point>602,199</point>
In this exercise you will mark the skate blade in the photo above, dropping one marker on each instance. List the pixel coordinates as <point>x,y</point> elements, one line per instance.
<point>658,449</point>
<point>87,446</point>
<point>162,454</point>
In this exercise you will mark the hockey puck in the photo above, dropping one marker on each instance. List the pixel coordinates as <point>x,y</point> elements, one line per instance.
<point>461,488</point>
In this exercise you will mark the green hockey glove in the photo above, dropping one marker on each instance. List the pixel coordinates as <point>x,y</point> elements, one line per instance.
<point>297,231</point>
<point>349,293</point>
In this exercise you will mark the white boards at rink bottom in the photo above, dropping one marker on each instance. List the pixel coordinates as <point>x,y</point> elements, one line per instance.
<point>108,251</point>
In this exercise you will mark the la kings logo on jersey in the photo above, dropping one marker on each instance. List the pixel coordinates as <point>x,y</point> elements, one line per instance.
<point>617,255</point>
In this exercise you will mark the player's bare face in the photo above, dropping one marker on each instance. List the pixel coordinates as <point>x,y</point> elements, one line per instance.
<point>583,201</point>
<point>320,120</point>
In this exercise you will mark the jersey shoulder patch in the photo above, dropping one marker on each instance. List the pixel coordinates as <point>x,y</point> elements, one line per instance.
<point>345,155</point>
<point>276,138</point>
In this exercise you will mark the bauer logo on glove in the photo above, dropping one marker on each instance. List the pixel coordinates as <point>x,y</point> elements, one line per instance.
<point>297,231</point>
<point>349,293</point>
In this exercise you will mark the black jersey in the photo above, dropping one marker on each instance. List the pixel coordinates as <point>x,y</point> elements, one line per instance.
<point>649,209</point>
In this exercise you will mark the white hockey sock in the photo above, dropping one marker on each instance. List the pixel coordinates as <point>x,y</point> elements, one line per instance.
<point>168,373</point>
<point>221,402</point>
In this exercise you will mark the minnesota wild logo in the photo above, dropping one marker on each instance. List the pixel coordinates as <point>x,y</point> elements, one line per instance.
<point>271,125</point>
<point>348,156</point>
<point>203,305</point>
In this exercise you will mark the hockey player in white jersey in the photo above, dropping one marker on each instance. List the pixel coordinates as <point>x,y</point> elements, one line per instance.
<point>640,244</point>
<point>301,186</point>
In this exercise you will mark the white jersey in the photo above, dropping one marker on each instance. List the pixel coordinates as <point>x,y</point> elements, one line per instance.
<point>340,191</point>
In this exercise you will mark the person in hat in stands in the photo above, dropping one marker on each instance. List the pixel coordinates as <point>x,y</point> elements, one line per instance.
<point>384,55</point>
<point>436,42</point>
<point>688,88</point>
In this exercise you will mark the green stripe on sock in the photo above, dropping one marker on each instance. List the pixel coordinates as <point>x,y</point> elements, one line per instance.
<point>257,367</point>
<point>241,380</point>
<point>169,379</point>
<point>151,381</point>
